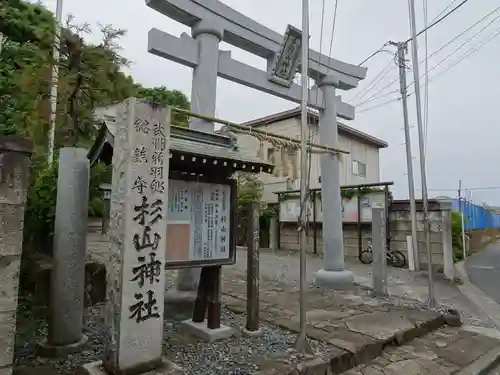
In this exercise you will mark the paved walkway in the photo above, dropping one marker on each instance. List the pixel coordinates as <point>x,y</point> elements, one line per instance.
<point>284,267</point>
<point>483,269</point>
<point>445,351</point>
<point>358,325</point>
<point>385,336</point>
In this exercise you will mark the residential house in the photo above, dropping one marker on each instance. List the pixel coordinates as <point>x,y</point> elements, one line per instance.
<point>360,166</point>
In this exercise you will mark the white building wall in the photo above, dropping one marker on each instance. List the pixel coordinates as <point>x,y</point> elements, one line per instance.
<point>360,151</point>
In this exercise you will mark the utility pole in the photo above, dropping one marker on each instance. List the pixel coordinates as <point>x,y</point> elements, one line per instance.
<point>54,83</point>
<point>421,148</point>
<point>462,214</point>
<point>409,159</point>
<point>302,345</point>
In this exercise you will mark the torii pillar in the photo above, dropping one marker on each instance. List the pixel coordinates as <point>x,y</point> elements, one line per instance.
<point>203,101</point>
<point>334,273</point>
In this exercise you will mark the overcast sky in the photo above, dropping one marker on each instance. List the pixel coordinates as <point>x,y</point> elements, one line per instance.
<point>463,137</point>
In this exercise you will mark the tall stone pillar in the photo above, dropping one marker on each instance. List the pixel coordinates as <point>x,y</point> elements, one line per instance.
<point>379,248</point>
<point>65,328</point>
<point>334,273</point>
<point>449,265</point>
<point>15,155</point>
<point>203,101</point>
<point>204,86</point>
<point>135,275</point>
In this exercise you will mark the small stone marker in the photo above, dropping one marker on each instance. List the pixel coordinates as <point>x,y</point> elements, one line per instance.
<point>253,247</point>
<point>379,250</point>
<point>138,227</point>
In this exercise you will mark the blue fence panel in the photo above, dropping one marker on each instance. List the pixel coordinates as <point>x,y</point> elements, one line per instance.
<point>476,217</point>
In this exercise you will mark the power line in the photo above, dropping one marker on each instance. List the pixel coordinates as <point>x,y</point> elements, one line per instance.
<point>426,81</point>
<point>333,28</point>
<point>321,41</point>
<point>374,96</point>
<point>380,105</point>
<point>438,20</point>
<point>370,86</point>
<point>444,10</point>
<point>471,51</point>
<point>434,23</point>
<point>381,49</point>
<point>466,30</point>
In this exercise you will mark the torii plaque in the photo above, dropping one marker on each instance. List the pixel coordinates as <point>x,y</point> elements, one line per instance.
<point>211,22</point>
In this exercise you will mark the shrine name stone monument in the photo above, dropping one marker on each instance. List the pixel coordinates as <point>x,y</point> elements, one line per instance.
<point>138,237</point>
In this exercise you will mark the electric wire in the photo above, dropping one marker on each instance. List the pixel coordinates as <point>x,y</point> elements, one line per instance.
<point>333,28</point>
<point>426,74</point>
<point>375,96</point>
<point>381,49</point>
<point>371,85</point>
<point>471,51</point>
<point>441,19</point>
<point>321,41</point>
<point>444,10</point>
<point>428,27</point>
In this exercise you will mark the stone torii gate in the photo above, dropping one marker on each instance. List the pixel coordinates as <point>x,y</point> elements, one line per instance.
<point>211,22</point>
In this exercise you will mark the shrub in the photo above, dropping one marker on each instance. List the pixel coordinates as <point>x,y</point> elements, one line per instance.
<point>42,198</point>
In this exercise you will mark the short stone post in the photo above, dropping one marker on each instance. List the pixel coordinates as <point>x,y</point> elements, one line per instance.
<point>15,155</point>
<point>138,228</point>
<point>449,266</point>
<point>253,213</point>
<point>106,197</point>
<point>65,328</point>
<point>274,233</point>
<point>379,248</point>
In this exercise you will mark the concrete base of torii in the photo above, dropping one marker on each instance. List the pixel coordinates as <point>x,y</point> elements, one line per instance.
<point>335,279</point>
<point>166,368</point>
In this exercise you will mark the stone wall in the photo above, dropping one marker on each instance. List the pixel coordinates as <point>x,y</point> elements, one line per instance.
<point>14,179</point>
<point>479,238</point>
<point>400,225</point>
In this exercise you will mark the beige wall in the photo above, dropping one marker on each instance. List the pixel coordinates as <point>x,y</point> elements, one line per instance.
<point>400,229</point>
<point>360,151</point>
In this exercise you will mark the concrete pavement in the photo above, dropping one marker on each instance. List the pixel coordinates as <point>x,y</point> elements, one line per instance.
<point>483,269</point>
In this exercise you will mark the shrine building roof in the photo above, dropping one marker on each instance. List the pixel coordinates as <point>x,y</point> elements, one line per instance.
<point>187,146</point>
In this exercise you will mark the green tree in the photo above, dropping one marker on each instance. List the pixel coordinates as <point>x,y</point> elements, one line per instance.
<point>162,96</point>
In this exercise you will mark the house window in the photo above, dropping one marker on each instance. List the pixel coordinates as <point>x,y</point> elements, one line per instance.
<point>270,154</point>
<point>358,168</point>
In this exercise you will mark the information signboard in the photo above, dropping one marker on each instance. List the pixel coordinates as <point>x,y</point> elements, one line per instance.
<point>200,224</point>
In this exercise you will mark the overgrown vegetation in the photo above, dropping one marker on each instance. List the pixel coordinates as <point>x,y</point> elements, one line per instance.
<point>90,75</point>
<point>456,236</point>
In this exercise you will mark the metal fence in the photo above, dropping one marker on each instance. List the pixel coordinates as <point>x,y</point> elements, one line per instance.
<point>476,217</point>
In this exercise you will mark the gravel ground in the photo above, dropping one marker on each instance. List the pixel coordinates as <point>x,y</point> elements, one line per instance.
<point>240,355</point>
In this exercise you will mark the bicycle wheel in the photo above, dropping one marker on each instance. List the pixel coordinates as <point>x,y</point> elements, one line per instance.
<point>399,259</point>
<point>366,257</point>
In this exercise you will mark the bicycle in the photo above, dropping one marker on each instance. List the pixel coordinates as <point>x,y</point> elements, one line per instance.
<point>394,258</point>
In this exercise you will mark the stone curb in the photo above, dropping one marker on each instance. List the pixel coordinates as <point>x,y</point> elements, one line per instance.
<point>349,358</point>
<point>482,365</point>
<point>485,304</point>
